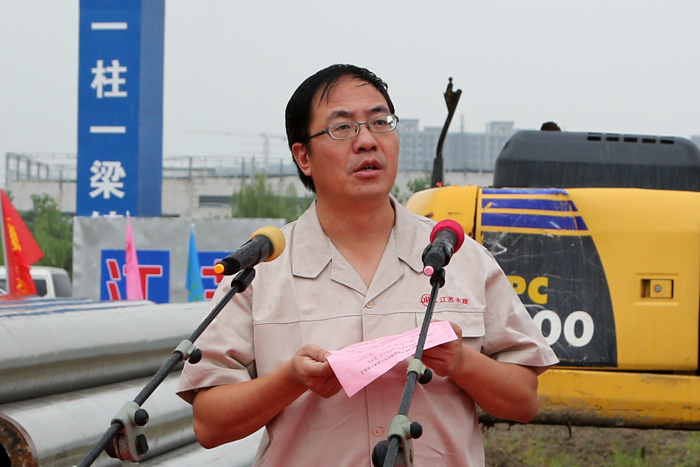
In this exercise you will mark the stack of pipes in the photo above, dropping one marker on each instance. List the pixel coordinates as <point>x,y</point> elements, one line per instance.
<point>68,366</point>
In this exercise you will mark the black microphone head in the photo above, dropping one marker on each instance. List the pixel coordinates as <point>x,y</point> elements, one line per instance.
<point>266,244</point>
<point>445,239</point>
<point>452,226</point>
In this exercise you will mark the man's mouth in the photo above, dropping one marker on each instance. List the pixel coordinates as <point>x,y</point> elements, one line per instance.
<point>369,166</point>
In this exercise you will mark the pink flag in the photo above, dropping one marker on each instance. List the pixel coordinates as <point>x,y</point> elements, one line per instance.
<point>134,291</point>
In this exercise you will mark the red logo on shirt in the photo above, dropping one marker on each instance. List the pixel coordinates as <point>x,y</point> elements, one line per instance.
<point>426,298</point>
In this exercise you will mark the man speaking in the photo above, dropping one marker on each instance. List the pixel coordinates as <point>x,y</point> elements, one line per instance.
<point>352,271</point>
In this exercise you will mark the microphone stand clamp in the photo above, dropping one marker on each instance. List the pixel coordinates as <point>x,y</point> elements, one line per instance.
<point>405,431</point>
<point>130,443</point>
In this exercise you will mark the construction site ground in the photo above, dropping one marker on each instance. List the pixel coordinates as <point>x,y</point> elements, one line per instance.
<point>561,446</point>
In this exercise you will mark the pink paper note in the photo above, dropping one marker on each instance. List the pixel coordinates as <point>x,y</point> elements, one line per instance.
<point>359,364</point>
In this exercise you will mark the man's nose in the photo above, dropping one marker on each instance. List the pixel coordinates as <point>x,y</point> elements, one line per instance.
<point>365,139</point>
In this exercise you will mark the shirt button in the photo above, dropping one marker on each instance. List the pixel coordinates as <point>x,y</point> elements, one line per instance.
<point>370,304</point>
<point>377,431</point>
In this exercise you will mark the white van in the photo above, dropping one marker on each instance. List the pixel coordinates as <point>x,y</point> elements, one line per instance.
<point>50,282</point>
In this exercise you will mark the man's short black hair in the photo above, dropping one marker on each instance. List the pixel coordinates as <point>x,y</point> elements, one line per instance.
<point>299,108</point>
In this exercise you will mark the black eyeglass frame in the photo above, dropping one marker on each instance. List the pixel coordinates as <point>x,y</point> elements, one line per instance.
<point>327,130</point>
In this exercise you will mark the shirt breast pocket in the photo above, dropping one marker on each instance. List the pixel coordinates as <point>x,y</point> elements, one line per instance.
<point>471,321</point>
<point>473,330</point>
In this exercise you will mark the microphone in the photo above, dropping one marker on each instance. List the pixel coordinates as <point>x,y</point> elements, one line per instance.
<point>266,244</point>
<point>445,239</point>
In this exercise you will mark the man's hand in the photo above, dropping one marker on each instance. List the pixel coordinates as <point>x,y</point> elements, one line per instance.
<point>312,371</point>
<point>447,358</point>
<point>233,411</point>
<point>505,390</point>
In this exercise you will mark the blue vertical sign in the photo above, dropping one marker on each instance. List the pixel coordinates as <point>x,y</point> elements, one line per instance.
<point>120,107</point>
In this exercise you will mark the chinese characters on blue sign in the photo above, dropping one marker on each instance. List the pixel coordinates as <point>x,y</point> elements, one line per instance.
<point>120,107</point>
<point>210,279</point>
<point>154,271</point>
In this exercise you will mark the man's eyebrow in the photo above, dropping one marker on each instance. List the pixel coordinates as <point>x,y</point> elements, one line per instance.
<point>348,114</point>
<point>380,108</point>
<point>340,113</point>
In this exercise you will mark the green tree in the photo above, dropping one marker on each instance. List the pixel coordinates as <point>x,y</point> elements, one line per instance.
<point>415,185</point>
<point>296,205</point>
<point>52,230</point>
<point>257,199</point>
<point>400,197</point>
<point>418,184</point>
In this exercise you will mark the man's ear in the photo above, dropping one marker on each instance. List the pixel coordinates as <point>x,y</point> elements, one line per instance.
<point>302,156</point>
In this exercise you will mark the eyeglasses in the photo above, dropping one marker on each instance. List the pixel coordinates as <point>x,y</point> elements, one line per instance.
<point>346,130</point>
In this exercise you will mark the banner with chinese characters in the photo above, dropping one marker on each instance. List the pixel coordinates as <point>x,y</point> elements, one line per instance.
<point>163,249</point>
<point>120,107</point>
<point>210,279</point>
<point>154,273</point>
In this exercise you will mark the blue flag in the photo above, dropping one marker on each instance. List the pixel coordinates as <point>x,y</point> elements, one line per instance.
<point>195,289</point>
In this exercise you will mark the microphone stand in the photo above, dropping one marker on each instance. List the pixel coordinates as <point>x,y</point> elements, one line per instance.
<point>125,440</point>
<point>399,446</point>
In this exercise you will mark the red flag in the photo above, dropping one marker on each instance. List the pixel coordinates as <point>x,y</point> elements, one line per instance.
<point>20,249</point>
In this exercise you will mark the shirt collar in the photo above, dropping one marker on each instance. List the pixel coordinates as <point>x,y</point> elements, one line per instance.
<point>310,238</point>
<point>410,241</point>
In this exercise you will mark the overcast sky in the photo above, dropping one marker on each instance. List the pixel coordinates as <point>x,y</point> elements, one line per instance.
<point>231,66</point>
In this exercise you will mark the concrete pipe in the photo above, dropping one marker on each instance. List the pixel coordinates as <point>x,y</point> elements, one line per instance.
<point>236,454</point>
<point>52,305</point>
<point>53,348</point>
<point>59,430</point>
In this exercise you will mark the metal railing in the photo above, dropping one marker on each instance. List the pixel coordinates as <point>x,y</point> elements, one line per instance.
<point>56,167</point>
<point>62,167</point>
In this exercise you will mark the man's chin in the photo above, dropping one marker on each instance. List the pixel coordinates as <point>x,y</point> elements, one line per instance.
<point>373,193</point>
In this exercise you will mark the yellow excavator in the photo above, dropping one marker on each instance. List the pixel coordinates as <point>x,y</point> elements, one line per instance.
<point>599,233</point>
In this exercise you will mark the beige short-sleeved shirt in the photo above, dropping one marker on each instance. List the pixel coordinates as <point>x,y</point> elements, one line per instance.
<point>312,295</point>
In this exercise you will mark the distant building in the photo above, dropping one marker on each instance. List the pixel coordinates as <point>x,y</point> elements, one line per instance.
<point>462,151</point>
<point>696,139</point>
